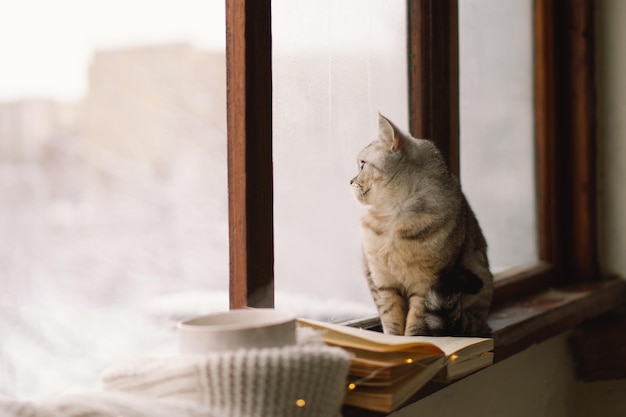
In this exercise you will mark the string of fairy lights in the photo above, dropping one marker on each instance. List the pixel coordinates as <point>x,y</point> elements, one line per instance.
<point>352,385</point>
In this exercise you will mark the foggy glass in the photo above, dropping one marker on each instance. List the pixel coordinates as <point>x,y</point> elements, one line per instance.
<point>113,208</point>
<point>336,64</point>
<point>497,125</point>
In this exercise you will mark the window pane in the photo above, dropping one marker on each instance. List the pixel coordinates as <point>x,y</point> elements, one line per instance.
<point>497,125</point>
<point>336,64</point>
<point>113,216</point>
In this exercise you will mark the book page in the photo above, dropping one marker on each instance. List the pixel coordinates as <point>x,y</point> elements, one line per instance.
<point>461,345</point>
<point>369,340</point>
<point>380,342</point>
<point>387,359</point>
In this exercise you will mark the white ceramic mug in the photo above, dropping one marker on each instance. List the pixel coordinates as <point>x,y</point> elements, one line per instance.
<point>237,329</point>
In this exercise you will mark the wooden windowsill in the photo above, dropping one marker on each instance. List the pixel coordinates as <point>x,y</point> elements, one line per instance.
<point>519,324</point>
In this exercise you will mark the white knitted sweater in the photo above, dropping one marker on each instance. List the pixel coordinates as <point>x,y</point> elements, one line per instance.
<point>303,380</point>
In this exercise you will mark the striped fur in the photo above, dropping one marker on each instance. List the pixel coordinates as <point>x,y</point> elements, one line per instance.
<point>425,257</point>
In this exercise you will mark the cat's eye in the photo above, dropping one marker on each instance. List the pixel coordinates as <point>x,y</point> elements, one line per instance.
<point>361,165</point>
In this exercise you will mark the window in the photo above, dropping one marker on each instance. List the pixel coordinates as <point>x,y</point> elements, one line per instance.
<point>433,110</point>
<point>496,141</point>
<point>113,213</point>
<point>328,86</point>
<point>563,113</point>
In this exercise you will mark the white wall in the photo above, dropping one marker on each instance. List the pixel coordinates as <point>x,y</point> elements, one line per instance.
<point>605,399</point>
<point>536,382</point>
<point>611,101</point>
<point>541,380</point>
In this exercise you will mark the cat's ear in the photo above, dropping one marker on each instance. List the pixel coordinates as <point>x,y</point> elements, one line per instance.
<point>387,133</point>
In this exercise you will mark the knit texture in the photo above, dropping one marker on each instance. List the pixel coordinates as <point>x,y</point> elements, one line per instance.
<point>303,380</point>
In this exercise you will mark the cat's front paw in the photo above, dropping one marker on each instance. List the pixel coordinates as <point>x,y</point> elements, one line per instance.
<point>416,331</point>
<point>393,329</point>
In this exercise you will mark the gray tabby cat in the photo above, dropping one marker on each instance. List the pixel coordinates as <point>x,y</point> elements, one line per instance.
<point>424,253</point>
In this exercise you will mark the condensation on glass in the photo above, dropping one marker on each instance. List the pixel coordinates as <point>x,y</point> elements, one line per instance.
<point>497,125</point>
<point>336,64</point>
<point>113,208</point>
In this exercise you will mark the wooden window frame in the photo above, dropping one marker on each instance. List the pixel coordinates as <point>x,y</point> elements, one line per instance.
<point>564,133</point>
<point>531,303</point>
<point>250,177</point>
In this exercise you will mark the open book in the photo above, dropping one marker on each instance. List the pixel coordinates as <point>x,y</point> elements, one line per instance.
<point>387,370</point>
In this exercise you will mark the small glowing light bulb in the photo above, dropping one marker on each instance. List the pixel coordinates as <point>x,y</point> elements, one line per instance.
<point>454,357</point>
<point>409,360</point>
<point>300,402</point>
<point>351,386</point>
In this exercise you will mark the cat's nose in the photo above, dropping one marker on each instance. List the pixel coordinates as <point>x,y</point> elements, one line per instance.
<point>351,181</point>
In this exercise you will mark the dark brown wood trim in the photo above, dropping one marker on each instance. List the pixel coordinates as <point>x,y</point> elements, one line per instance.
<point>581,114</point>
<point>434,75</point>
<point>250,180</point>
<point>521,281</point>
<point>545,132</point>
<point>533,319</point>
<point>565,128</point>
<point>419,59</point>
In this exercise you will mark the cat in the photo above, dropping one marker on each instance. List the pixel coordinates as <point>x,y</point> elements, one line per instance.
<point>425,256</point>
